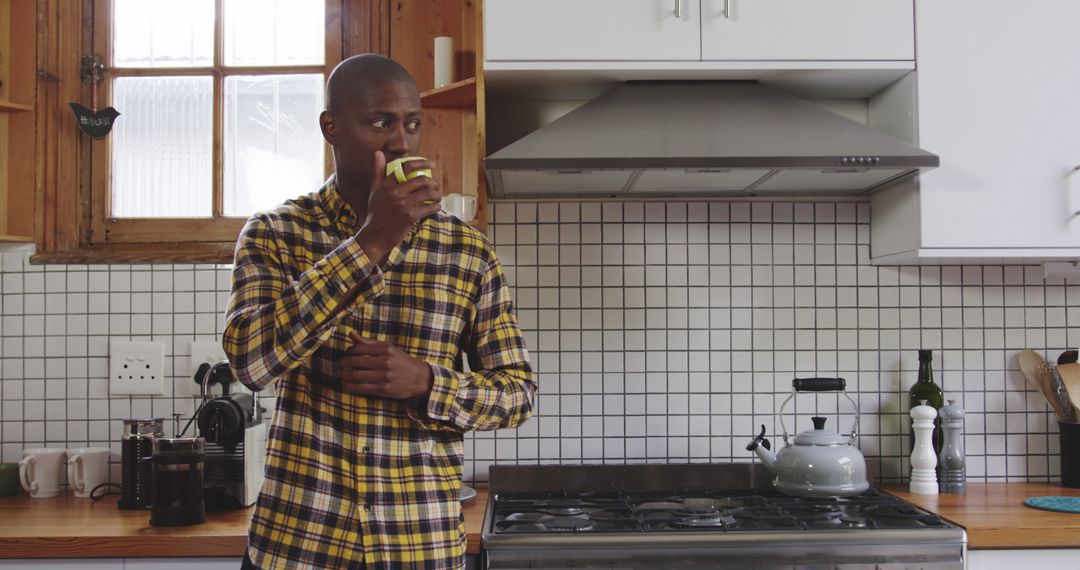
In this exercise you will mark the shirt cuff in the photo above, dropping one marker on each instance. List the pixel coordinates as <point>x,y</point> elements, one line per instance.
<point>350,266</point>
<point>440,401</point>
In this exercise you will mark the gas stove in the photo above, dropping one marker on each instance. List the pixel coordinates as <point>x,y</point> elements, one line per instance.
<point>700,516</point>
<point>531,513</point>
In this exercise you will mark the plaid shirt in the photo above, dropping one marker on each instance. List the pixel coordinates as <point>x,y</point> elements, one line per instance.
<point>354,479</point>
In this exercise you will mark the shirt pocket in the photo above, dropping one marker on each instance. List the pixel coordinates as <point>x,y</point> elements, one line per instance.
<point>430,323</point>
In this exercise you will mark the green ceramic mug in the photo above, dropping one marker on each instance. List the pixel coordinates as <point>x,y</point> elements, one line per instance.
<point>9,479</point>
<point>396,168</point>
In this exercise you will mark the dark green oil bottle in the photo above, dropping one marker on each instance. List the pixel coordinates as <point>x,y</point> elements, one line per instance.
<point>926,389</point>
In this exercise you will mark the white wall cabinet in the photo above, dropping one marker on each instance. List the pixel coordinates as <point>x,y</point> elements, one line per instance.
<point>800,30</point>
<point>693,30</point>
<point>996,95</point>
<point>590,30</point>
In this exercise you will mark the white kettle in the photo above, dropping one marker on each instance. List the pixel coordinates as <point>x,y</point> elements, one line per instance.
<point>820,462</point>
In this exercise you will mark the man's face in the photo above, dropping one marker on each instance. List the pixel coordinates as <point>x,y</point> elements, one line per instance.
<point>384,117</point>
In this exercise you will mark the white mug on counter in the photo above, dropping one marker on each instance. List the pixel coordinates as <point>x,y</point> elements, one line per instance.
<point>461,205</point>
<point>87,467</point>
<point>40,471</point>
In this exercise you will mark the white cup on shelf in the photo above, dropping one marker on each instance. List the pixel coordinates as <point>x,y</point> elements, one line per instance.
<point>444,61</point>
<point>461,205</point>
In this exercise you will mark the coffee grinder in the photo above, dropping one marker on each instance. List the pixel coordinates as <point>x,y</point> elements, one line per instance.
<point>235,434</point>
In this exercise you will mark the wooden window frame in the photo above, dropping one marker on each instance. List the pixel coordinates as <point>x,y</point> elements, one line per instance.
<point>71,179</point>
<point>217,228</point>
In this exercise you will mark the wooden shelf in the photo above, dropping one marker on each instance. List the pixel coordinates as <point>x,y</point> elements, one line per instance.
<point>18,139</point>
<point>453,114</point>
<point>458,94</point>
<point>8,106</point>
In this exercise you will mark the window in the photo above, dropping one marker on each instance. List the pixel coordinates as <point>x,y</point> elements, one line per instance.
<point>219,103</point>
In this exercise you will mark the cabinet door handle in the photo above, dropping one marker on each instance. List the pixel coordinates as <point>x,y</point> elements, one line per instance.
<point>1074,170</point>
<point>727,10</point>
<point>678,8</point>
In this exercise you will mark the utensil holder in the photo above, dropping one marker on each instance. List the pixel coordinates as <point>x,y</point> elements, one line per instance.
<point>1070,454</point>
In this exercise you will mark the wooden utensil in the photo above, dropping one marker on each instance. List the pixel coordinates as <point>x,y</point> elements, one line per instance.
<point>1031,364</point>
<point>1070,375</point>
<point>1030,361</point>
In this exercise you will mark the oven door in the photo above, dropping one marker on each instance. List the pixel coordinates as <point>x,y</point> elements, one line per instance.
<point>855,555</point>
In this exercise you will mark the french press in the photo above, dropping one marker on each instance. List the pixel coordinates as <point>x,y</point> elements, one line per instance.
<point>177,481</point>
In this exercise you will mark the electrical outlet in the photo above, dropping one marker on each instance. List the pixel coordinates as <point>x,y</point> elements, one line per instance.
<point>136,368</point>
<point>203,352</point>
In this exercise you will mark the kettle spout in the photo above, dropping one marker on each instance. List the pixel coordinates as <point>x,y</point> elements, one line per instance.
<point>761,446</point>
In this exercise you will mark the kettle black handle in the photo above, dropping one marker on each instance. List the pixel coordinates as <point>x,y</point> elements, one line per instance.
<point>819,384</point>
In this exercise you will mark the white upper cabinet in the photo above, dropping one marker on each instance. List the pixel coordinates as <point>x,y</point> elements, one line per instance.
<point>807,30</point>
<point>997,101</point>
<point>591,30</point>
<point>697,30</point>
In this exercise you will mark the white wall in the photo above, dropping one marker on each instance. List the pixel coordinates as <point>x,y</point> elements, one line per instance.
<point>659,332</point>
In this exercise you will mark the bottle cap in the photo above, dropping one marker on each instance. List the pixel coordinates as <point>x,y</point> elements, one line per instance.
<point>926,355</point>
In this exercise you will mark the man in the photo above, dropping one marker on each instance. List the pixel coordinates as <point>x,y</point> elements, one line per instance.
<point>358,301</point>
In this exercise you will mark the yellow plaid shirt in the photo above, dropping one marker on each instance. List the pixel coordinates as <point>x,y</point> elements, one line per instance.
<point>354,479</point>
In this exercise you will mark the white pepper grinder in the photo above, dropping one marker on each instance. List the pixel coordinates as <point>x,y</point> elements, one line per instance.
<point>952,473</point>
<point>923,458</point>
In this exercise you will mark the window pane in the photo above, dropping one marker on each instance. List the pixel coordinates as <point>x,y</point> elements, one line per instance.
<point>163,33</point>
<point>273,144</point>
<point>161,147</point>
<point>274,32</point>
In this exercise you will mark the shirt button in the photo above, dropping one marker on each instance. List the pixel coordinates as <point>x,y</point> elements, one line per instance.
<point>367,508</point>
<point>366,450</point>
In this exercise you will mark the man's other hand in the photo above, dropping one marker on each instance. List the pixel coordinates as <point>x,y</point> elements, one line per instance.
<point>382,369</point>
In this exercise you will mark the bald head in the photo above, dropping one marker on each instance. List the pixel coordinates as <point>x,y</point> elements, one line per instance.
<point>356,76</point>
<point>372,107</point>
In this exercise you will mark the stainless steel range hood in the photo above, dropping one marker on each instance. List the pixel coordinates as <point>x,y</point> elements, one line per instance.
<point>701,138</point>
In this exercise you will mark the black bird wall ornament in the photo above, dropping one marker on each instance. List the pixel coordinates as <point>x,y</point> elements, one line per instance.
<point>93,121</point>
<point>98,123</point>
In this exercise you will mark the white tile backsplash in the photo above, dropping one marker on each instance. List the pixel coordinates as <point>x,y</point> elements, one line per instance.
<point>659,332</point>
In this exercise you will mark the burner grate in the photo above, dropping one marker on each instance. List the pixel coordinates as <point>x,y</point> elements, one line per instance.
<point>613,512</point>
<point>568,524</point>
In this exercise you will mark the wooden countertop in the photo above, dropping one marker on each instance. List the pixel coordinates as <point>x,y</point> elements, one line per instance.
<point>995,516</point>
<point>66,527</point>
